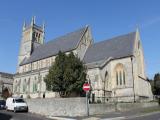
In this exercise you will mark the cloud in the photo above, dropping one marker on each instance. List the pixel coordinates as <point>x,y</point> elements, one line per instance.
<point>146,23</point>
<point>150,22</point>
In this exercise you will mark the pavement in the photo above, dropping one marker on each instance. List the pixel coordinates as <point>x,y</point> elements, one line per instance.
<point>152,113</point>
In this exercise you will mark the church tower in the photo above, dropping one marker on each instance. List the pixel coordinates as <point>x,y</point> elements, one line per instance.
<point>32,37</point>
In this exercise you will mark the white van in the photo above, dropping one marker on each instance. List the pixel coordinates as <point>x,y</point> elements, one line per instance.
<point>16,104</point>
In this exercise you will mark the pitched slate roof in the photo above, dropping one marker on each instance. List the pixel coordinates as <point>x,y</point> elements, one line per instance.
<point>8,75</point>
<point>64,43</point>
<point>117,47</point>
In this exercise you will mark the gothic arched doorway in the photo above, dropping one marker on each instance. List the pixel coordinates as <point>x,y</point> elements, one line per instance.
<point>6,93</point>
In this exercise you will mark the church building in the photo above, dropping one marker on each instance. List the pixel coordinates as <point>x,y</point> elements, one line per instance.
<point>115,67</point>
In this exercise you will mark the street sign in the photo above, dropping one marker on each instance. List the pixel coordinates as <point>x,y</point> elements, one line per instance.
<point>86,87</point>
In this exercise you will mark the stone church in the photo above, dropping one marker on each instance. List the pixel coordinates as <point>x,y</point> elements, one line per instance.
<point>115,66</point>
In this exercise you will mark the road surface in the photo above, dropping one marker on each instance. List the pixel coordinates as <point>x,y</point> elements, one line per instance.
<point>8,115</point>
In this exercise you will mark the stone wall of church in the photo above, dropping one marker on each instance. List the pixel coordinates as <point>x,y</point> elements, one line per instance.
<point>83,45</point>
<point>104,80</point>
<point>142,87</point>
<point>30,84</point>
<point>124,89</point>
<point>96,82</point>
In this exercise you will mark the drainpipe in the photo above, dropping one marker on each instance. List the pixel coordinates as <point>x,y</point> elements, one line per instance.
<point>133,79</point>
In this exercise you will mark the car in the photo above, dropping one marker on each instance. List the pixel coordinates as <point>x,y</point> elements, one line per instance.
<point>2,104</point>
<point>16,104</point>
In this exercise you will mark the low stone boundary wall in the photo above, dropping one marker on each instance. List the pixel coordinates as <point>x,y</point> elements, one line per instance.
<point>58,106</point>
<point>77,106</point>
<point>131,106</point>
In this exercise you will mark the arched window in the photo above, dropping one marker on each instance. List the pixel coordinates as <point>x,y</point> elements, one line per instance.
<point>106,74</point>
<point>120,75</point>
<point>106,82</point>
<point>24,85</point>
<point>117,77</point>
<point>138,44</point>
<point>28,85</point>
<point>35,84</point>
<point>124,81</point>
<point>19,86</point>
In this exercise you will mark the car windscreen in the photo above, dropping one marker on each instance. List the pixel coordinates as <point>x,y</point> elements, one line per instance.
<point>2,102</point>
<point>19,101</point>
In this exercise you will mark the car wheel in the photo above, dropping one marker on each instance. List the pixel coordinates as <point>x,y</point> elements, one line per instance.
<point>6,108</point>
<point>27,110</point>
<point>14,110</point>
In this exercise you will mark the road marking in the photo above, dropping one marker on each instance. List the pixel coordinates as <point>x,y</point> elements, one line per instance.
<point>60,118</point>
<point>115,118</point>
<point>136,116</point>
<point>91,118</point>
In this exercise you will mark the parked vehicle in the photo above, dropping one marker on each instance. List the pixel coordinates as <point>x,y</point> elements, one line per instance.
<point>2,104</point>
<point>16,104</point>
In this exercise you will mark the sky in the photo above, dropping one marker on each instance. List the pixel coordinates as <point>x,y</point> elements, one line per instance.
<point>107,19</point>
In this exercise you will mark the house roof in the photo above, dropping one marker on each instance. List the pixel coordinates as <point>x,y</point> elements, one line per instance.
<point>64,43</point>
<point>116,47</point>
<point>8,75</point>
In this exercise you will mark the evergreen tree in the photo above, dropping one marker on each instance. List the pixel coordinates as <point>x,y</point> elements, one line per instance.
<point>66,75</point>
<point>157,84</point>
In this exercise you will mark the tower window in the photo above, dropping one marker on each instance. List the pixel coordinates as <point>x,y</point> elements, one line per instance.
<point>138,44</point>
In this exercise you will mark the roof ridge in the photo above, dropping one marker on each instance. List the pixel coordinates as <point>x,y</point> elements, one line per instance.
<point>5,73</point>
<point>115,47</point>
<point>57,38</point>
<point>66,34</point>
